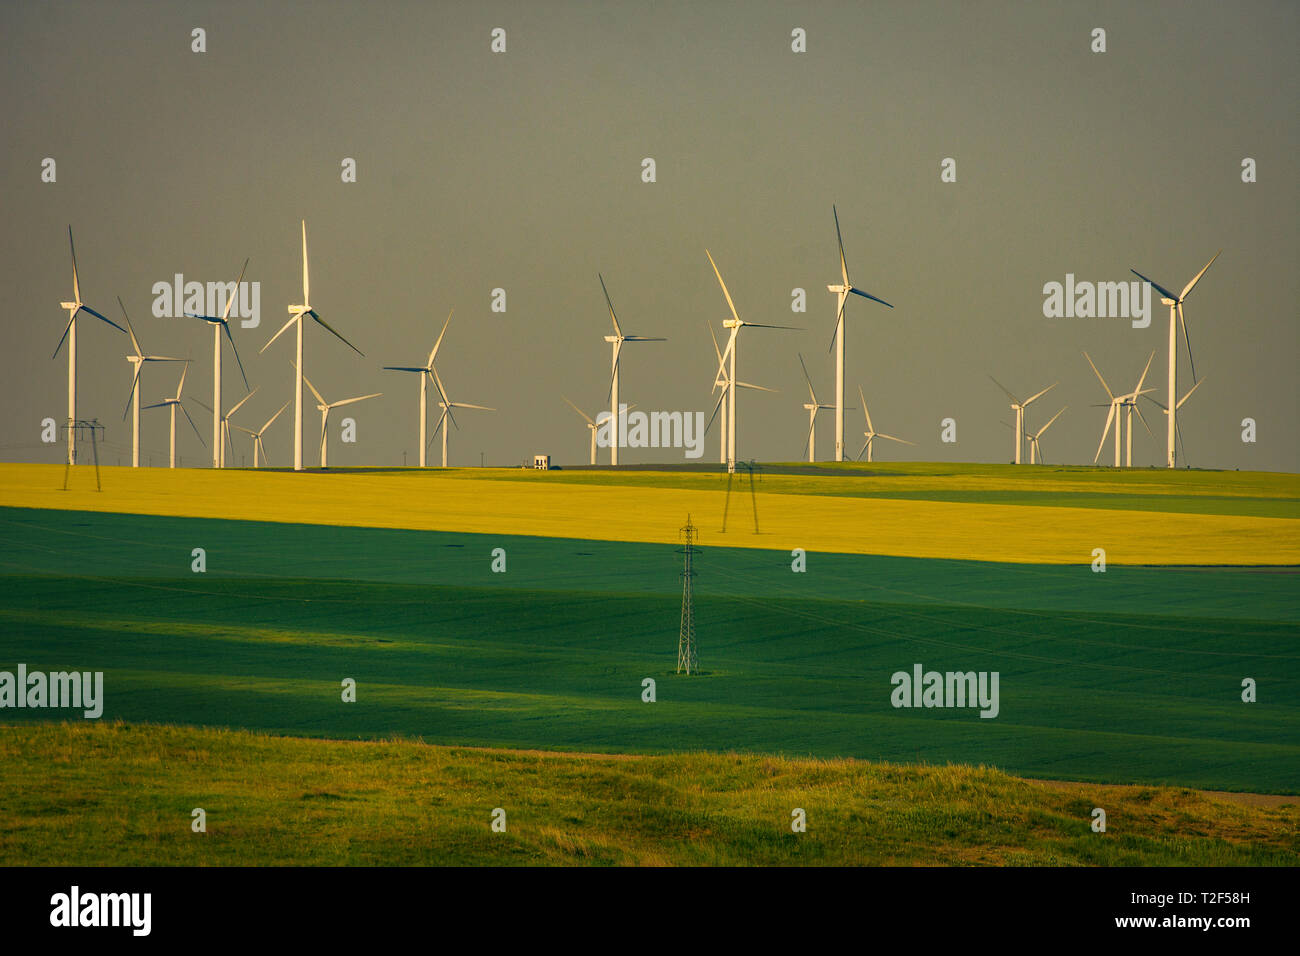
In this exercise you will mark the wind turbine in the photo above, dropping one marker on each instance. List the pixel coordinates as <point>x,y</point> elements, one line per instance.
<point>325,408</point>
<point>592,425</point>
<point>721,380</point>
<point>813,408</point>
<point>617,339</point>
<point>297,312</point>
<point>175,403</point>
<point>871,432</point>
<point>1175,303</point>
<point>257,437</point>
<point>1118,402</point>
<point>1179,405</point>
<point>223,434</point>
<point>447,406</point>
<point>842,291</point>
<point>1019,408</point>
<point>735,323</point>
<point>1035,456</point>
<point>133,399</point>
<point>219,324</point>
<point>427,373</point>
<point>75,307</point>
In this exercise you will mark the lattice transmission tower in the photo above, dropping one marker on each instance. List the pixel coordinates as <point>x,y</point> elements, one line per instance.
<point>686,658</point>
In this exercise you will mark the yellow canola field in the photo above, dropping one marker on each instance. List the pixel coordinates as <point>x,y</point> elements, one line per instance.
<point>461,500</point>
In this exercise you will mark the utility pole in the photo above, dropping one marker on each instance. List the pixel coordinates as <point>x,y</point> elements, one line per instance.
<point>686,658</point>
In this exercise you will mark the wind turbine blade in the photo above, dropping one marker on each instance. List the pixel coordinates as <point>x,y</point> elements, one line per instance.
<point>129,330</point>
<point>225,315</point>
<point>618,348</point>
<point>445,400</point>
<point>1142,418</point>
<point>1040,394</point>
<point>192,425</point>
<point>230,443</point>
<point>163,404</point>
<point>353,401</point>
<point>306,286</point>
<point>238,361</point>
<point>62,337</point>
<point>863,448</point>
<point>102,318</point>
<point>404,368</point>
<point>185,370</point>
<point>241,402</point>
<point>1102,444</point>
<point>716,405</point>
<point>1187,396</point>
<point>612,316</point>
<point>844,268</point>
<point>587,418</point>
<point>1191,285</point>
<point>296,318</point>
<point>1179,429</point>
<point>482,408</point>
<point>1155,285</point>
<point>723,373</point>
<point>868,295</point>
<point>806,378</point>
<point>330,328</point>
<point>135,381</point>
<point>892,438</point>
<point>76,284</point>
<point>759,325</point>
<point>763,388</point>
<point>272,419</point>
<point>1186,340</point>
<point>1049,423</point>
<point>248,431</point>
<point>438,344</point>
<point>839,317</point>
<point>644,338</point>
<point>870,427</point>
<point>441,418</point>
<point>731,305</point>
<point>320,398</point>
<point>1014,400</point>
<point>203,405</point>
<point>1138,390</point>
<point>1099,378</point>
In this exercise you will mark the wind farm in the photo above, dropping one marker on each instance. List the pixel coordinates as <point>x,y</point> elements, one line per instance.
<point>935,651</point>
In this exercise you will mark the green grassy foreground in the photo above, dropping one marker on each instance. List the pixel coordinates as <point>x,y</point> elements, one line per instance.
<point>120,794</point>
<point>1129,677</point>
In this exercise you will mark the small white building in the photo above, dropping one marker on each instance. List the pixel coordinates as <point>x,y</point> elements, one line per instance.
<point>542,462</point>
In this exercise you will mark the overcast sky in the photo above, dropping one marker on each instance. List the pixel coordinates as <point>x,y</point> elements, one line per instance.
<point>522,170</point>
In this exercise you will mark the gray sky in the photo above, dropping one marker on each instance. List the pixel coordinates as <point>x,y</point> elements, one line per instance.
<point>522,170</point>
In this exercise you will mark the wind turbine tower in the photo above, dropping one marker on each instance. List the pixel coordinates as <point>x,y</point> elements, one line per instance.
<point>617,340</point>
<point>842,291</point>
<point>296,313</point>
<point>75,307</point>
<point>1175,303</point>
